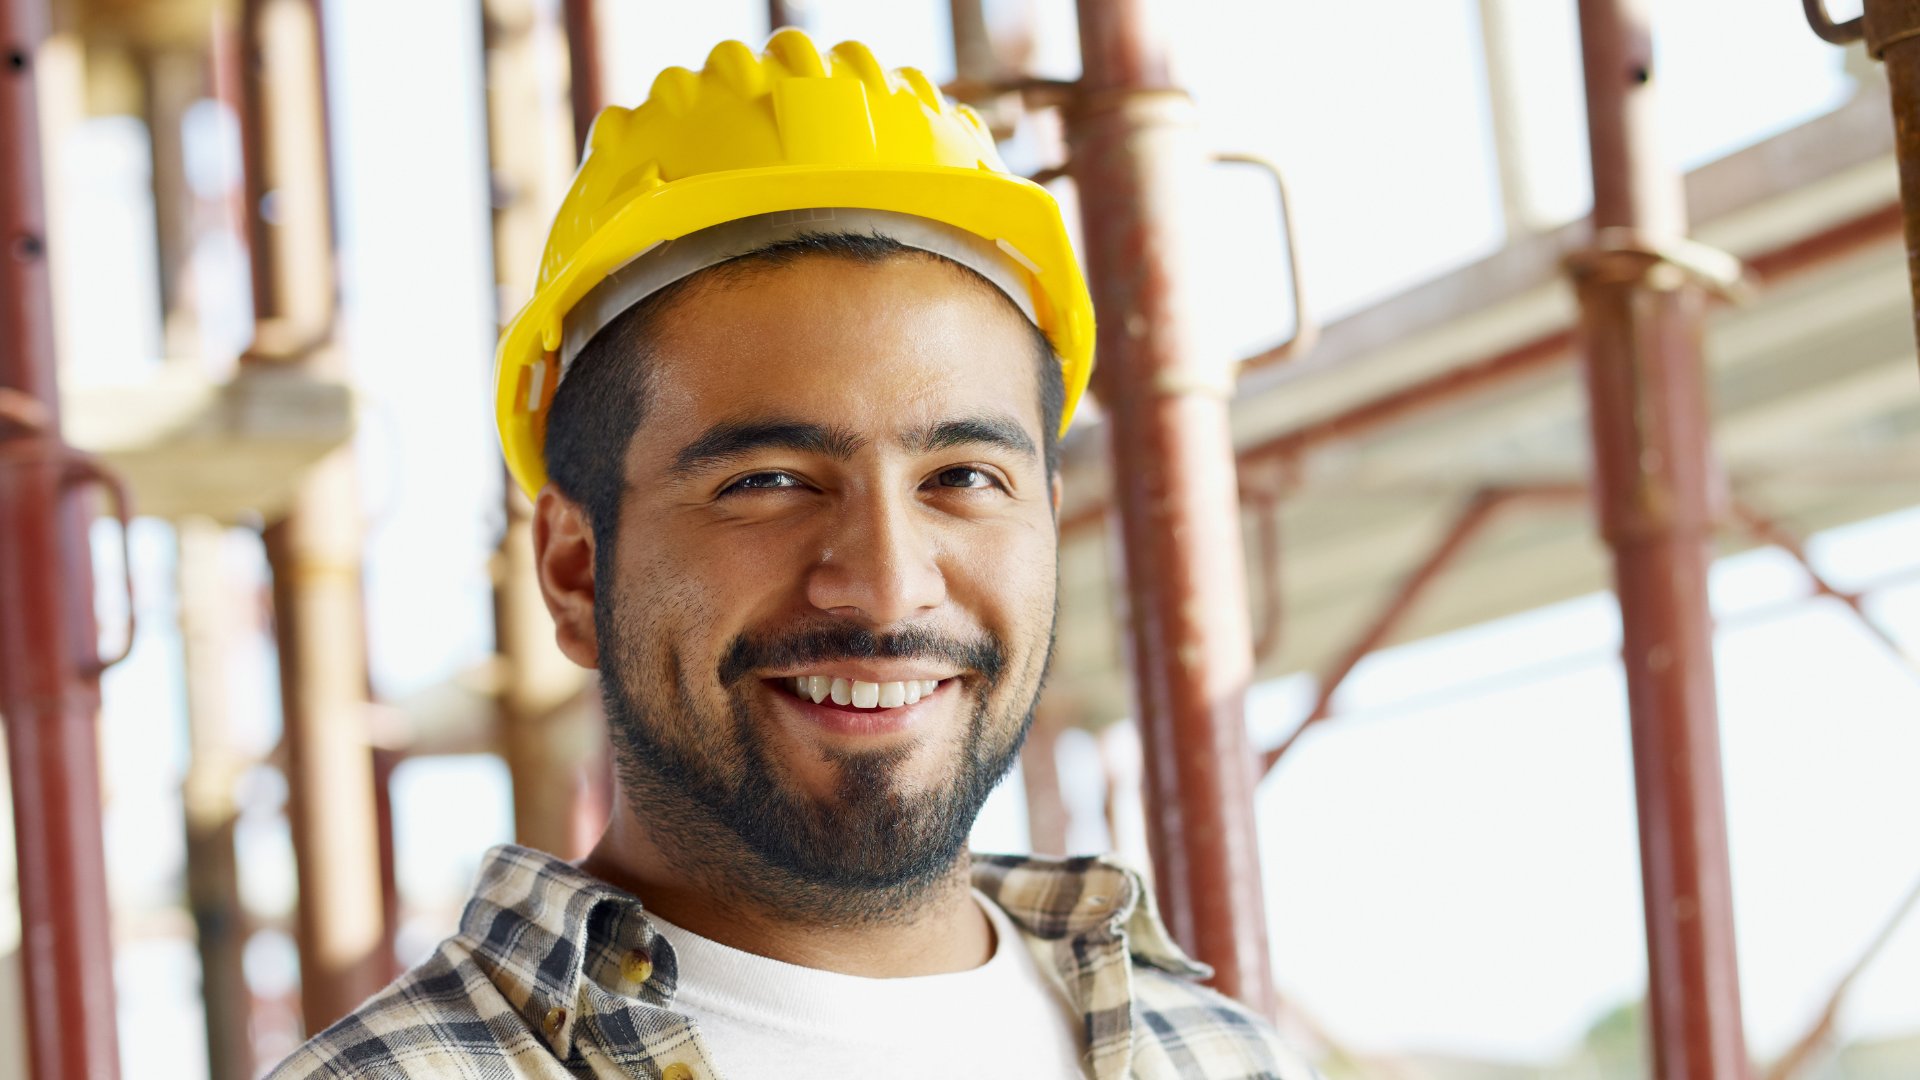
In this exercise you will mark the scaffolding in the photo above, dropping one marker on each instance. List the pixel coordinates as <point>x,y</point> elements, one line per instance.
<point>1171,486</point>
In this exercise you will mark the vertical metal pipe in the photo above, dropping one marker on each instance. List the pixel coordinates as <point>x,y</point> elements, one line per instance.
<point>213,865</point>
<point>239,74</point>
<point>289,176</point>
<point>314,550</point>
<point>973,55</point>
<point>48,694</point>
<point>1137,163</point>
<point>385,761</point>
<point>1893,34</point>
<point>1047,818</point>
<point>543,743</point>
<point>586,87</point>
<point>171,80</point>
<point>1641,324</point>
<point>229,57</point>
<point>331,804</point>
<point>786,13</point>
<point>1503,114</point>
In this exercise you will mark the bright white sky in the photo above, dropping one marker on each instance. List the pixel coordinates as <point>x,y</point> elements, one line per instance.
<point>1451,866</point>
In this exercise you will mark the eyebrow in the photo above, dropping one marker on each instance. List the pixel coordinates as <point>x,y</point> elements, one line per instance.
<point>988,429</point>
<point>731,440</point>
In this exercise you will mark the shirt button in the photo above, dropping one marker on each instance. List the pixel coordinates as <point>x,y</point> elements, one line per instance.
<point>677,1071</point>
<point>556,1019</point>
<point>636,966</point>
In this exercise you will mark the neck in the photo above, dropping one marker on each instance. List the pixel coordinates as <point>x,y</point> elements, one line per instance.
<point>695,885</point>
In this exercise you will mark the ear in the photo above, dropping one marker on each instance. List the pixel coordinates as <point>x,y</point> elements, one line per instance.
<point>563,559</point>
<point>1056,491</point>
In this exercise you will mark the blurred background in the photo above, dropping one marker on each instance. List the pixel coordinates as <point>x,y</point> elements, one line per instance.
<point>283,233</point>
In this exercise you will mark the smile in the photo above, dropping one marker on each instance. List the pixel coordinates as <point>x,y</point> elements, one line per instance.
<point>859,693</point>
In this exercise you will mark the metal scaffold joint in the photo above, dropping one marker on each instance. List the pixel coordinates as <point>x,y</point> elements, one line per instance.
<point>1623,256</point>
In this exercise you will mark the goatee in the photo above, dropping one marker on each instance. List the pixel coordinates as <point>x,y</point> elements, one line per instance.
<point>708,790</point>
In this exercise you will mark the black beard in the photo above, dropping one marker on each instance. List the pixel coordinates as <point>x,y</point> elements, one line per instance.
<point>710,794</point>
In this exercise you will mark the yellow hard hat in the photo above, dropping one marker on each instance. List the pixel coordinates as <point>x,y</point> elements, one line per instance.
<point>789,129</point>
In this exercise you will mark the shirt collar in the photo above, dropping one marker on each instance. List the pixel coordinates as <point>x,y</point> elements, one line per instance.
<point>537,924</point>
<point>1060,898</point>
<point>541,926</point>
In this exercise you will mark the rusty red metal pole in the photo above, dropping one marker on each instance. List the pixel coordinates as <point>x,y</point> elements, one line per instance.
<point>786,13</point>
<point>1891,30</point>
<point>1654,487</point>
<point>49,690</point>
<point>1136,161</point>
<point>1893,35</point>
<point>585,82</point>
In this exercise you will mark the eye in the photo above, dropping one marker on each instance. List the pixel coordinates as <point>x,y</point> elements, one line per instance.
<point>765,481</point>
<point>965,476</point>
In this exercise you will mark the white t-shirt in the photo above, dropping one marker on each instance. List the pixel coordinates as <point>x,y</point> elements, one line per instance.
<point>762,1019</point>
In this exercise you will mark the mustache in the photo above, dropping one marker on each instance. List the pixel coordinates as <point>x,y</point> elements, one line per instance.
<point>747,653</point>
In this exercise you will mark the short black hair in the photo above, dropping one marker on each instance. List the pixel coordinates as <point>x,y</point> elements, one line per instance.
<point>602,401</point>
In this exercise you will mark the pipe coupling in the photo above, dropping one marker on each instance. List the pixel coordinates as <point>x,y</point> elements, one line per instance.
<point>1622,256</point>
<point>1889,22</point>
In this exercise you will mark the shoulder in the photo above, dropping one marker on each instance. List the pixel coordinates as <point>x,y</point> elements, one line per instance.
<point>442,1018</point>
<point>1095,916</point>
<point>1182,1028</point>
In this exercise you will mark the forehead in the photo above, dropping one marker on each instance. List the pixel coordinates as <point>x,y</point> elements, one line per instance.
<point>875,348</point>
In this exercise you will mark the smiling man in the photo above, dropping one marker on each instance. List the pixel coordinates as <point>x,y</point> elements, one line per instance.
<point>789,399</point>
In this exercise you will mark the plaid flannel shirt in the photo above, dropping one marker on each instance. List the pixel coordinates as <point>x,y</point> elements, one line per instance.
<point>554,973</point>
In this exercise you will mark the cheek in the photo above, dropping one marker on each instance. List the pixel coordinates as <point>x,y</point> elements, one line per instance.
<point>737,570</point>
<point>705,590</point>
<point>1008,577</point>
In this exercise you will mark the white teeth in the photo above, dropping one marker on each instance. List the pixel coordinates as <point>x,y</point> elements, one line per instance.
<point>862,695</point>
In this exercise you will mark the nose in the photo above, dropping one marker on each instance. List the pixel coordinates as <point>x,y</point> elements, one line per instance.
<point>879,562</point>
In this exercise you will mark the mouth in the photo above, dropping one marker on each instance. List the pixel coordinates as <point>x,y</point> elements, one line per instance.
<point>849,706</point>
<point>859,694</point>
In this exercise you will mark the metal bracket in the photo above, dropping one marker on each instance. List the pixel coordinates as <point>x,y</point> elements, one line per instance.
<point>1048,175</point>
<point>77,470</point>
<point>1884,23</point>
<point>1833,33</point>
<point>1035,93</point>
<point>83,470</point>
<point>1623,256</point>
<point>1306,332</point>
<point>24,411</point>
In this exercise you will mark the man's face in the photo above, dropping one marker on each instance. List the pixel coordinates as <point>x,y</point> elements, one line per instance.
<point>838,492</point>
